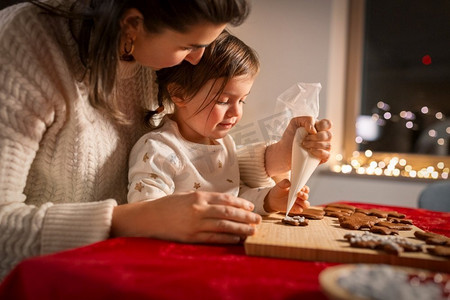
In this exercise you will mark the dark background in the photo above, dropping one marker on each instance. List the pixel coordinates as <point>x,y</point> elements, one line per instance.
<point>398,35</point>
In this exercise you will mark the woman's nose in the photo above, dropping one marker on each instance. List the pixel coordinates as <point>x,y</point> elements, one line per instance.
<point>195,55</point>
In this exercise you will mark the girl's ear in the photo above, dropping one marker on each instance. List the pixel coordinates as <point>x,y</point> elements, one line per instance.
<point>174,92</point>
<point>179,102</point>
<point>131,20</point>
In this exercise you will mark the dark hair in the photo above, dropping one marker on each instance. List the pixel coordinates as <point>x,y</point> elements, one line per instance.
<point>99,37</point>
<point>226,57</point>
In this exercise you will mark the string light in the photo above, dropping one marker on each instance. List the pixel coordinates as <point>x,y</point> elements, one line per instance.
<point>388,166</point>
<point>384,115</point>
<point>364,163</point>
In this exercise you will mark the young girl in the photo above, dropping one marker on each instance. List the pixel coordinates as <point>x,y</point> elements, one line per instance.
<point>192,150</point>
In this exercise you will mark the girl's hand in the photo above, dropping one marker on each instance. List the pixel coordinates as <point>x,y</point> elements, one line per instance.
<point>317,142</point>
<point>277,198</point>
<point>194,217</point>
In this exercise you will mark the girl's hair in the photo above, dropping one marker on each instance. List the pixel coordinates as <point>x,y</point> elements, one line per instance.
<point>99,37</point>
<point>225,58</point>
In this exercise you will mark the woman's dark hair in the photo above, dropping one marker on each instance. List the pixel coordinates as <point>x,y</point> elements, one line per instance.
<point>99,37</point>
<point>225,58</point>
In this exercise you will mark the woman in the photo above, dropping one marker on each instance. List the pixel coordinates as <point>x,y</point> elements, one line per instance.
<point>75,81</point>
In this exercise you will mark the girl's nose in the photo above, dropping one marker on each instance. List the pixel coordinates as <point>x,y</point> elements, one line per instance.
<point>195,55</point>
<point>234,110</point>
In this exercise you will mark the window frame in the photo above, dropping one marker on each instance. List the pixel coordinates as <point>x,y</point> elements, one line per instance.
<point>353,90</point>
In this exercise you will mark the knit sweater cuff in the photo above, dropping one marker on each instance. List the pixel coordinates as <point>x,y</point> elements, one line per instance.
<point>261,194</point>
<point>72,225</point>
<point>252,165</point>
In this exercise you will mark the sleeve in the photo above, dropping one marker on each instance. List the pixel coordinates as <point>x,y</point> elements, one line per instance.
<point>256,196</point>
<point>27,111</point>
<point>153,166</point>
<point>252,165</point>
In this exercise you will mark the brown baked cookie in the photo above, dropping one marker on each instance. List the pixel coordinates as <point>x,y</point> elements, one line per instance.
<point>341,206</point>
<point>295,221</point>
<point>438,241</point>
<point>439,251</point>
<point>378,213</point>
<point>395,214</point>
<point>396,226</point>
<point>432,238</point>
<point>424,235</point>
<point>337,214</point>
<point>400,220</point>
<point>383,230</point>
<point>337,209</point>
<point>358,221</point>
<point>363,211</point>
<point>312,213</point>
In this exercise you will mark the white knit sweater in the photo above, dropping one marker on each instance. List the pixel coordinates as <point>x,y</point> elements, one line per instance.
<point>63,164</point>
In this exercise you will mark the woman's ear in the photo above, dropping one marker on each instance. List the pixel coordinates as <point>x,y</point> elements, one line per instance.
<point>131,20</point>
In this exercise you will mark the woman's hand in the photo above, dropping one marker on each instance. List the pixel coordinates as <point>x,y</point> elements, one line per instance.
<point>194,217</point>
<point>317,142</point>
<point>277,198</point>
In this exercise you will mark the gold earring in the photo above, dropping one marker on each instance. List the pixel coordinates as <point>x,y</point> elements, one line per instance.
<point>128,53</point>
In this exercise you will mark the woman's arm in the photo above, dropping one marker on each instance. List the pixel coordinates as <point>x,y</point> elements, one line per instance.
<point>194,217</point>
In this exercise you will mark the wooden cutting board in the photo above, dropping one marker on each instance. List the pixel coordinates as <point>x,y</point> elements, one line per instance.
<point>323,240</point>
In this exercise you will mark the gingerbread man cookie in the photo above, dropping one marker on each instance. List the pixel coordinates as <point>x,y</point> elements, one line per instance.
<point>358,221</point>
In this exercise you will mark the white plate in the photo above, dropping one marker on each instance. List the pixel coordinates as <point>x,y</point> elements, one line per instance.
<point>328,279</point>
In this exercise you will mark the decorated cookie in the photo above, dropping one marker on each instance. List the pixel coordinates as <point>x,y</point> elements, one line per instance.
<point>295,221</point>
<point>390,244</point>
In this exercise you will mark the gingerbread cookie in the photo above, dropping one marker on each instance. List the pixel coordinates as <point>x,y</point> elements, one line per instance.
<point>395,214</point>
<point>295,221</point>
<point>380,213</point>
<point>312,213</point>
<point>341,206</point>
<point>358,221</point>
<point>383,230</point>
<point>432,238</point>
<point>373,212</point>
<point>336,212</point>
<point>396,226</point>
<point>390,244</point>
<point>439,251</point>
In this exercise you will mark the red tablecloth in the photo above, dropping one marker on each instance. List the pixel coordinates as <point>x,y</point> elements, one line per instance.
<point>140,268</point>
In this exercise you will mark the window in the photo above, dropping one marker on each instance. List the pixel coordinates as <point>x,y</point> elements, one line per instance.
<point>398,88</point>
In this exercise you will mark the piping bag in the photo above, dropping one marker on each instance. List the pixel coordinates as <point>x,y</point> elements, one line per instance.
<point>302,99</point>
